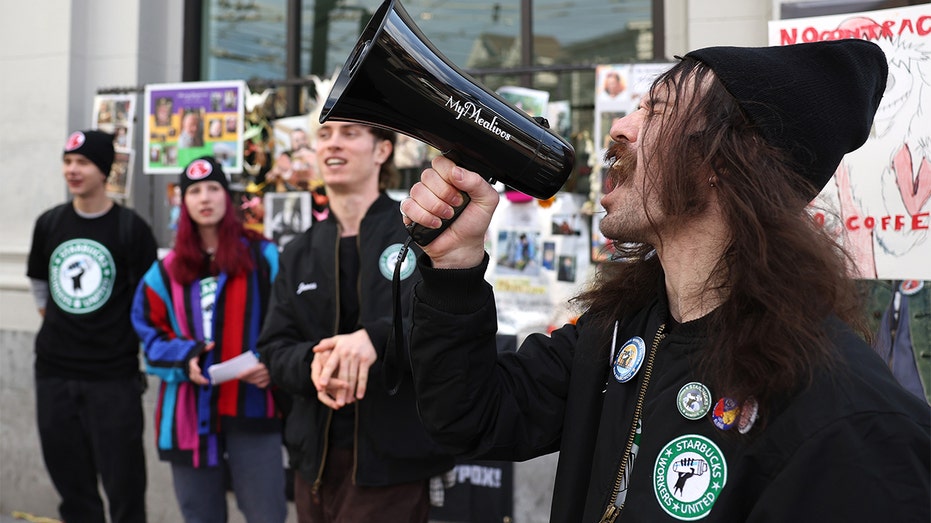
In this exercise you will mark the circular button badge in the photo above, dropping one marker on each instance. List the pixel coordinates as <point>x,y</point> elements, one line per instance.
<point>726,413</point>
<point>693,400</point>
<point>629,359</point>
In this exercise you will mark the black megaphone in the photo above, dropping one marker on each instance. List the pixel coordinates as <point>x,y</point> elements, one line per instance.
<point>396,79</point>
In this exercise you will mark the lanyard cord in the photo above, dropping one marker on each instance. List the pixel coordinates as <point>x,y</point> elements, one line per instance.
<point>394,355</point>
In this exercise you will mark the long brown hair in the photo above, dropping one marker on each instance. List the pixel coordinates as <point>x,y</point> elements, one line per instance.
<point>781,274</point>
<point>232,255</point>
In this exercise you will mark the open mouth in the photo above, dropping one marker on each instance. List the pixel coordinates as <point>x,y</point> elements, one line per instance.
<point>620,162</point>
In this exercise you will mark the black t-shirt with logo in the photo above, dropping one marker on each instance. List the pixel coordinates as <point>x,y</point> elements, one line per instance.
<point>92,267</point>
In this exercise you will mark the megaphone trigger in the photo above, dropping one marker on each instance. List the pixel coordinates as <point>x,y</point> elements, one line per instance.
<point>424,235</point>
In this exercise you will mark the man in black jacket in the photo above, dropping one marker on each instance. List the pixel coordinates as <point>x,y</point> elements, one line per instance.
<point>361,454</point>
<point>714,374</point>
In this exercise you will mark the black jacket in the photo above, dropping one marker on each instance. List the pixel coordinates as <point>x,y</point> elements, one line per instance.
<point>391,445</point>
<point>854,446</point>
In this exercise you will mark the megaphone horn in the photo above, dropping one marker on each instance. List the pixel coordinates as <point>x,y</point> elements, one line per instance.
<point>396,79</point>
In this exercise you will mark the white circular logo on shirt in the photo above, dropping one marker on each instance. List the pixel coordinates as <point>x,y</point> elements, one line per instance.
<point>389,258</point>
<point>81,275</point>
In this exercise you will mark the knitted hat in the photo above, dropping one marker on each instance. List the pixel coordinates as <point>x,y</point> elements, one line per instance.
<point>203,169</point>
<point>816,101</point>
<point>96,146</point>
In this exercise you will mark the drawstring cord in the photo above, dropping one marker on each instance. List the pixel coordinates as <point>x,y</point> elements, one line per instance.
<point>395,354</point>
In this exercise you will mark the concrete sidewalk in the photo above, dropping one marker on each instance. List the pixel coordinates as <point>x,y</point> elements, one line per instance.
<point>8,518</point>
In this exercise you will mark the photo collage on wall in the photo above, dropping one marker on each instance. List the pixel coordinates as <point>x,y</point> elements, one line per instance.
<point>618,90</point>
<point>189,120</point>
<point>539,259</point>
<point>115,114</point>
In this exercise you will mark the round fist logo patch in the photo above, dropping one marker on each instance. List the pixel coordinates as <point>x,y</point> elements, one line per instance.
<point>688,476</point>
<point>75,141</point>
<point>81,276</point>
<point>199,169</point>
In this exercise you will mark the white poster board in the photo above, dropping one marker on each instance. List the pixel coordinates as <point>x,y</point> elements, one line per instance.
<point>879,197</point>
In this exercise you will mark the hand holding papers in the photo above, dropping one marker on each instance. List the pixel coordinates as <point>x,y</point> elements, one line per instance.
<point>220,372</point>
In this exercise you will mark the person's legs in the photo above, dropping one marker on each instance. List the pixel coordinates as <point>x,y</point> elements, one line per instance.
<point>308,509</point>
<point>336,484</point>
<point>201,493</point>
<point>402,502</point>
<point>115,422</point>
<point>67,450</point>
<point>257,470</point>
<point>343,501</point>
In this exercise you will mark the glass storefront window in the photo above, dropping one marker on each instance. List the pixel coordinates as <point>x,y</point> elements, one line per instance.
<point>470,34</point>
<point>580,32</point>
<point>243,40</point>
<point>247,39</point>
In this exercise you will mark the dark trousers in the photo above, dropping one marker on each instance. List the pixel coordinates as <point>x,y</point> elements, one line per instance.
<point>256,471</point>
<point>90,429</point>
<point>339,501</point>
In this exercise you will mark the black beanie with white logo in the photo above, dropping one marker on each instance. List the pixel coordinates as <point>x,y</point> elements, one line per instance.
<point>96,146</point>
<point>203,169</point>
<point>815,101</point>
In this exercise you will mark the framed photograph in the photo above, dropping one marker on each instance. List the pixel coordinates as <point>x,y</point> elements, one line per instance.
<point>518,252</point>
<point>115,113</point>
<point>549,255</point>
<point>291,133</point>
<point>287,214</point>
<point>531,101</point>
<point>172,204</point>
<point>566,225</point>
<point>567,269</point>
<point>119,182</point>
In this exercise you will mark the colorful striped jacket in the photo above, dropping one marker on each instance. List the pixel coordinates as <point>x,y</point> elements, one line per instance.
<point>169,319</point>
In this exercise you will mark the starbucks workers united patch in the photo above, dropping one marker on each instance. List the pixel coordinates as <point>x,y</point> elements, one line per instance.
<point>81,275</point>
<point>688,476</point>
<point>389,258</point>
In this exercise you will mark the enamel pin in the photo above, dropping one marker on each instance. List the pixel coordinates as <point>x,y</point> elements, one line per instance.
<point>911,287</point>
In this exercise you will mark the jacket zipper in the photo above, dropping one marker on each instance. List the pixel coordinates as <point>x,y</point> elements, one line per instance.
<point>355,446</point>
<point>318,482</point>
<point>355,427</point>
<point>612,511</point>
<point>326,431</point>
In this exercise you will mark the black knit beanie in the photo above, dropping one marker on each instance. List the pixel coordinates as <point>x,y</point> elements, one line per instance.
<point>203,169</point>
<point>816,101</point>
<point>96,146</point>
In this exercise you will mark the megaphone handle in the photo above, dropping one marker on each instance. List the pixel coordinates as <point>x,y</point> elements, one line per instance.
<point>424,235</point>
